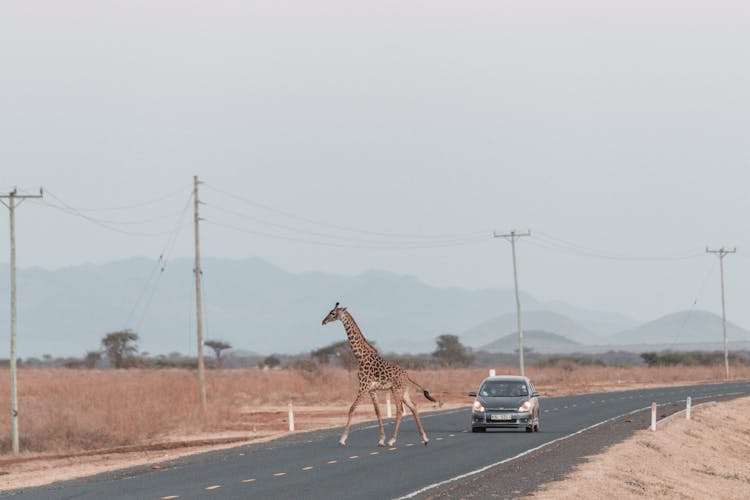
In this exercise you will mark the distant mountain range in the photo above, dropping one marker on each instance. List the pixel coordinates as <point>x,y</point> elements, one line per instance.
<point>249,303</point>
<point>258,307</point>
<point>685,330</point>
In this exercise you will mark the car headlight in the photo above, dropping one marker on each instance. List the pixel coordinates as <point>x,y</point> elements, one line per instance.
<point>478,406</point>
<point>526,406</point>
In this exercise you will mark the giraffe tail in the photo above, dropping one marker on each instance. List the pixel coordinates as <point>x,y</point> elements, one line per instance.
<point>426,393</point>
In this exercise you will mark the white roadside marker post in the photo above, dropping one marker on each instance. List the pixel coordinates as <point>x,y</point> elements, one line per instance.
<point>653,417</point>
<point>492,372</point>
<point>688,407</point>
<point>291,417</point>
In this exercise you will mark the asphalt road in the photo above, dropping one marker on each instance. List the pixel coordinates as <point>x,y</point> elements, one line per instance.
<point>313,465</point>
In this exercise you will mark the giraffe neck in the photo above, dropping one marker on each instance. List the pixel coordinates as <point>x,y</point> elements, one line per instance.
<point>361,348</point>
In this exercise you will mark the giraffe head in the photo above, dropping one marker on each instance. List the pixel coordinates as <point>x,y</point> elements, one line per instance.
<point>334,314</point>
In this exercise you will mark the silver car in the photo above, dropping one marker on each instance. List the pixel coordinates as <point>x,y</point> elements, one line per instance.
<point>505,402</point>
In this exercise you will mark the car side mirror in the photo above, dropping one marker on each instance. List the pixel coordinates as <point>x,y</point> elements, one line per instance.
<point>535,394</point>
<point>473,394</point>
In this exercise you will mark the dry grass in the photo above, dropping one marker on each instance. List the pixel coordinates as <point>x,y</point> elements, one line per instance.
<point>64,410</point>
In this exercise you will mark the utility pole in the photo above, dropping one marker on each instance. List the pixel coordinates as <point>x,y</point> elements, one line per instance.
<point>12,197</point>
<point>198,300</point>
<point>722,252</point>
<point>512,237</point>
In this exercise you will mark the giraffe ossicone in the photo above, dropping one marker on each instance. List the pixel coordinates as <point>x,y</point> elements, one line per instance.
<point>377,374</point>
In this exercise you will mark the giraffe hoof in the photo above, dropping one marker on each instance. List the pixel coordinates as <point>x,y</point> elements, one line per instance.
<point>381,444</point>
<point>391,442</point>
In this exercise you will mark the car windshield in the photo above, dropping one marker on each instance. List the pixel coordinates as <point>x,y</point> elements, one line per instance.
<point>503,388</point>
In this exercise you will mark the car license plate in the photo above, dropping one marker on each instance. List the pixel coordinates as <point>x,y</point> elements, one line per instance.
<point>501,417</point>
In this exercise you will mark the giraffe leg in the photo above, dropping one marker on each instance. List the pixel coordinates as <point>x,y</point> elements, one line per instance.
<point>413,407</point>
<point>342,441</point>
<point>399,413</point>
<point>374,396</point>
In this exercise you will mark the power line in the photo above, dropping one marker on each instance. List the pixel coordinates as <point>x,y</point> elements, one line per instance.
<point>141,204</point>
<point>161,264</point>
<point>553,243</point>
<point>110,221</point>
<point>381,246</point>
<point>702,286</point>
<point>347,238</point>
<point>338,227</point>
<point>70,210</point>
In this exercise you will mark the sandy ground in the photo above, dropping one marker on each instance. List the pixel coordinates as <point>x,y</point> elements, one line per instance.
<point>705,457</point>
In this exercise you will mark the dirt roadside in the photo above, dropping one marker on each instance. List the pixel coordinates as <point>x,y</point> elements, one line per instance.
<point>705,457</point>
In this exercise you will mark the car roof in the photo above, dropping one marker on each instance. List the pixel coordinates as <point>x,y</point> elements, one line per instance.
<point>506,378</point>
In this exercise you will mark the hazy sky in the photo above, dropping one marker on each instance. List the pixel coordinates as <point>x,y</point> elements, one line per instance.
<point>620,127</point>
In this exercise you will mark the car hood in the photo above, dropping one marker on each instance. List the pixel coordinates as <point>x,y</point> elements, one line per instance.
<point>506,403</point>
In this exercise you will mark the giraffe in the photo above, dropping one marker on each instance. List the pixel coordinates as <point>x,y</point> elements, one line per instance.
<point>376,374</point>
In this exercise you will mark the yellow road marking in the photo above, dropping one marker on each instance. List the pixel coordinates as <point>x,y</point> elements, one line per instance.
<point>214,487</point>
<point>333,461</point>
<point>409,444</point>
<point>170,497</point>
<point>374,453</point>
<point>248,480</point>
<point>451,435</point>
<point>354,456</point>
<point>279,474</point>
<point>392,449</point>
<point>438,439</point>
<point>307,468</point>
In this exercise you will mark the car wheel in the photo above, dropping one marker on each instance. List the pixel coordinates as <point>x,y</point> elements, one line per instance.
<point>530,429</point>
<point>478,429</point>
<point>536,427</point>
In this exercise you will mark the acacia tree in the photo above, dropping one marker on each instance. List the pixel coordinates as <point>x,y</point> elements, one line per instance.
<point>217,346</point>
<point>92,357</point>
<point>121,348</point>
<point>452,352</point>
<point>270,361</point>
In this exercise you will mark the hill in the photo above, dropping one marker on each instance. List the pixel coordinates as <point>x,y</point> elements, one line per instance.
<point>681,328</point>
<point>546,321</point>
<point>600,322</point>
<point>538,340</point>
